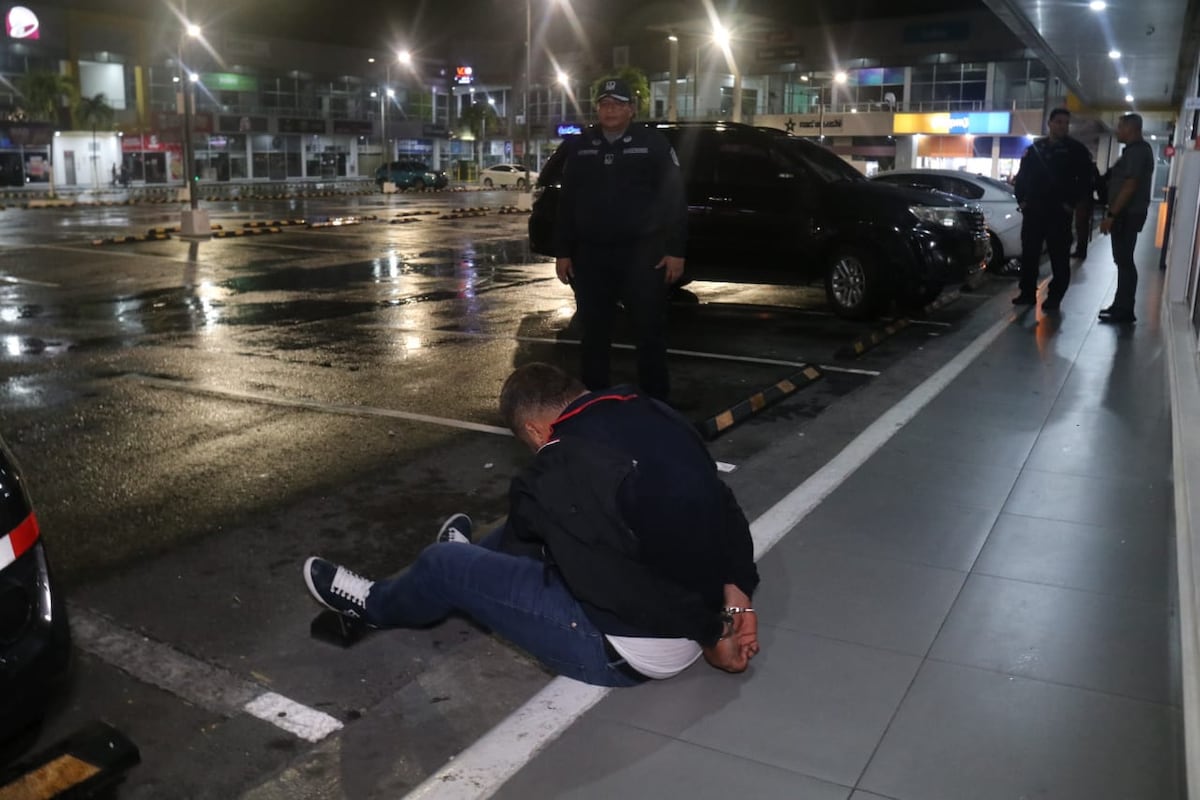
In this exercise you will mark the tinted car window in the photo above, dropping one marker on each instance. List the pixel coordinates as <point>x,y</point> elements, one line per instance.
<point>744,163</point>
<point>995,184</point>
<point>816,159</point>
<point>961,187</point>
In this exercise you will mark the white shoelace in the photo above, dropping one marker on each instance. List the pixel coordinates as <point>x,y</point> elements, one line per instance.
<point>351,586</point>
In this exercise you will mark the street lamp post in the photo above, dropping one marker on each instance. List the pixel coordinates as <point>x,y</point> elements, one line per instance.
<point>194,221</point>
<point>723,39</point>
<point>528,80</point>
<point>672,80</point>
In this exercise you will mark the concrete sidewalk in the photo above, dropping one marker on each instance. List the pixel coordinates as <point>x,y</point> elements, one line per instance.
<point>984,609</point>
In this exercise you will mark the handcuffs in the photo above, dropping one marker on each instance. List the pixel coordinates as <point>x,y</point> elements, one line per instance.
<point>727,618</point>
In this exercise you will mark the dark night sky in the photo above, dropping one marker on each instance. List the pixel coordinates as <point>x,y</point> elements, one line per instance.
<point>436,23</point>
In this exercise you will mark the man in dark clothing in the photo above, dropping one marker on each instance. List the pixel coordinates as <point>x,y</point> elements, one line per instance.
<point>1054,175</point>
<point>1129,182</point>
<point>620,235</point>
<point>624,557</point>
<point>1084,213</point>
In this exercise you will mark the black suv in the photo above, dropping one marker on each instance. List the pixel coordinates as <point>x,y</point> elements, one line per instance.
<point>764,206</point>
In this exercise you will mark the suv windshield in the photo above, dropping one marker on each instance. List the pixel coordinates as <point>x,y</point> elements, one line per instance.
<point>828,166</point>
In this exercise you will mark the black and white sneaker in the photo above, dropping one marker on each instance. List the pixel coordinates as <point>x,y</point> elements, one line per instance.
<point>337,588</point>
<point>456,529</point>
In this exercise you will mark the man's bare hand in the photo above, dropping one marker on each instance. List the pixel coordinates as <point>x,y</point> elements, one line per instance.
<point>745,625</point>
<point>1106,225</point>
<point>674,268</point>
<point>726,655</point>
<point>565,269</point>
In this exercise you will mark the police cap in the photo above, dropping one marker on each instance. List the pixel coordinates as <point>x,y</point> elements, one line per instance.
<point>616,89</point>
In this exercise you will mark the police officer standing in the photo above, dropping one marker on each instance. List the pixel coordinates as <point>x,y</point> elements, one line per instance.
<point>1055,174</point>
<point>620,235</point>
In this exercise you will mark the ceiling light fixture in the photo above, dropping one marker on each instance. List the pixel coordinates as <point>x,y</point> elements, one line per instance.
<point>1114,54</point>
<point>1097,5</point>
<point>1122,80</point>
<point>1128,98</point>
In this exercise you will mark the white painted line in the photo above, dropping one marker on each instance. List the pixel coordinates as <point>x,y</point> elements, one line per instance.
<point>483,767</point>
<point>11,279</point>
<point>723,466</point>
<point>872,373</point>
<point>212,688</point>
<point>301,721</point>
<point>314,405</point>
<point>575,342</point>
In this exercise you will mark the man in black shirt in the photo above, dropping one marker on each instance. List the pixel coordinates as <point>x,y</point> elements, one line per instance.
<point>620,235</point>
<point>1129,183</point>
<point>624,557</point>
<point>1054,176</point>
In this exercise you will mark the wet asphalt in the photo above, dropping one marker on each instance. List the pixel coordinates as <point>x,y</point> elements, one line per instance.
<point>195,419</point>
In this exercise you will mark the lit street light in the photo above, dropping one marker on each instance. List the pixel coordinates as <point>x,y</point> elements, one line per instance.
<point>564,80</point>
<point>723,39</point>
<point>673,80</point>
<point>193,222</point>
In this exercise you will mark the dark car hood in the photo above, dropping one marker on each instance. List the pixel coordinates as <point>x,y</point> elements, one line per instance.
<point>880,195</point>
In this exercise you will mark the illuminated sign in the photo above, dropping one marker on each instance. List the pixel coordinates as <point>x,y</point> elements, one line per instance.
<point>974,122</point>
<point>568,130</point>
<point>21,23</point>
<point>229,81</point>
<point>464,75</point>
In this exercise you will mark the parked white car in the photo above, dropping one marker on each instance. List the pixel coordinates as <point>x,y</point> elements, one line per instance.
<point>995,198</point>
<point>506,175</point>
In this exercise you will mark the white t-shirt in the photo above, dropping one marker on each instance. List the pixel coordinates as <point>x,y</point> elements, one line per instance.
<point>656,658</point>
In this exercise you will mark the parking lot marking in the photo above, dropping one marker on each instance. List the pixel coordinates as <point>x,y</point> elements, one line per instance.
<point>774,362</point>
<point>212,688</point>
<point>29,282</point>
<point>314,405</point>
<point>486,765</point>
<point>301,721</point>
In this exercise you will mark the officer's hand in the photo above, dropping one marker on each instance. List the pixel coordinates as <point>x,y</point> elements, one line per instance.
<point>564,269</point>
<point>674,268</point>
<point>1106,225</point>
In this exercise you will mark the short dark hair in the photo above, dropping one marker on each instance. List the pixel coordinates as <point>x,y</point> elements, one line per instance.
<point>534,388</point>
<point>1133,119</point>
<point>1054,112</point>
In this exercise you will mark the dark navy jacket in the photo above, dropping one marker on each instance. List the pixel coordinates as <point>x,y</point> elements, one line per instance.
<point>626,504</point>
<point>620,193</point>
<point>1054,175</point>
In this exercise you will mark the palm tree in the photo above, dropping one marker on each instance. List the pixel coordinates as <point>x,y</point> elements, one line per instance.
<point>43,94</point>
<point>95,112</point>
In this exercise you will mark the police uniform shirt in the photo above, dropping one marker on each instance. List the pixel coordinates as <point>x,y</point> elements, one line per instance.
<point>620,191</point>
<point>1054,174</point>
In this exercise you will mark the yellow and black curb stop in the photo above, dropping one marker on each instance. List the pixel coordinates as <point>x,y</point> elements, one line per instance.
<point>860,346</point>
<point>85,764</point>
<point>713,427</point>
<point>512,210</point>
<point>149,237</point>
<point>466,213</point>
<point>942,300</point>
<point>402,220</point>
<point>245,232</point>
<point>277,223</point>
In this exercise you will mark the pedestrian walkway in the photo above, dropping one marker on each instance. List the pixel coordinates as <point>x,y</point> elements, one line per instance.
<point>983,610</point>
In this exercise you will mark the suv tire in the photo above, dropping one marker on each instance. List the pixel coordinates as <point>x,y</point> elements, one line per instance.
<point>418,185</point>
<point>853,284</point>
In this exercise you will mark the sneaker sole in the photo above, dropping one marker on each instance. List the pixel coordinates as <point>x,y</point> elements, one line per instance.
<point>446,526</point>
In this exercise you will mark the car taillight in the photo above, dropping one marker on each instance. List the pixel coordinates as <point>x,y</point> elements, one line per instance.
<point>16,542</point>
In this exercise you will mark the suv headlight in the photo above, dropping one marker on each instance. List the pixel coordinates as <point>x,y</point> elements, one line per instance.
<point>944,216</point>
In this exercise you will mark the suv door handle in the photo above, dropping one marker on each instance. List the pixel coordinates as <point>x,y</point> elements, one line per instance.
<point>722,200</point>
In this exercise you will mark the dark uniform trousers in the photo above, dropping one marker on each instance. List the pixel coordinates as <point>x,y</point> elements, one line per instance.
<point>625,273</point>
<point>1125,229</point>
<point>1051,226</point>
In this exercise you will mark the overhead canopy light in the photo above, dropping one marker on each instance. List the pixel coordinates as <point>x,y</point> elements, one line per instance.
<point>1114,54</point>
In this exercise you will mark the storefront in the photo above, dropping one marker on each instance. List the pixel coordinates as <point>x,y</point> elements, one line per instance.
<point>986,142</point>
<point>144,158</point>
<point>24,153</point>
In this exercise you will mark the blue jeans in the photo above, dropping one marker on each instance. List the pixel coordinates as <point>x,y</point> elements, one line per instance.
<point>513,596</point>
